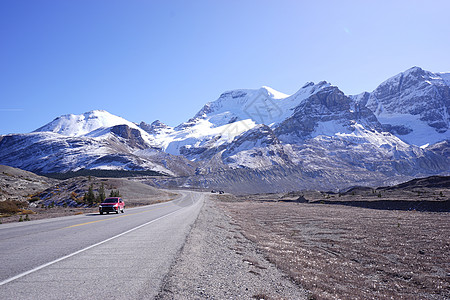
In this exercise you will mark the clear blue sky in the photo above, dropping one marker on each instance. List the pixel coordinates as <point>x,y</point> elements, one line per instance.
<point>147,60</point>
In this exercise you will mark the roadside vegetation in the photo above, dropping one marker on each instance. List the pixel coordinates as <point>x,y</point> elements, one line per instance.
<point>90,198</point>
<point>23,193</point>
<point>12,206</point>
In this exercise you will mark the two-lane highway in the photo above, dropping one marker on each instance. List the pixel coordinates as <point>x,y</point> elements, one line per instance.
<point>124,256</point>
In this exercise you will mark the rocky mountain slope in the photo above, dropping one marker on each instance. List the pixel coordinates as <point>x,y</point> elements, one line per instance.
<point>263,139</point>
<point>413,105</point>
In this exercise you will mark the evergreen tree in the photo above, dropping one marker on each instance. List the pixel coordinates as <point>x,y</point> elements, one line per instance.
<point>101,194</point>
<point>114,193</point>
<point>90,196</point>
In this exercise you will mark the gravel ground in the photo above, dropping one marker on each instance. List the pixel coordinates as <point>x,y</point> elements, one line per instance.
<point>218,262</point>
<point>344,252</point>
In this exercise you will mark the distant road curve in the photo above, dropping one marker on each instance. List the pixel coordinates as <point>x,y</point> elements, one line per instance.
<point>95,256</point>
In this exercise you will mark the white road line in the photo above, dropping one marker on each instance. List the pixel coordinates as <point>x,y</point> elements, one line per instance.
<point>82,250</point>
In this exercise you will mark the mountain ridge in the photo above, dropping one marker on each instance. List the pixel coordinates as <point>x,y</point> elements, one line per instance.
<point>399,130</point>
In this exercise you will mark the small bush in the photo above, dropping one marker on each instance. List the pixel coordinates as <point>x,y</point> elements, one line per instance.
<point>27,218</point>
<point>20,219</point>
<point>11,206</point>
<point>34,199</point>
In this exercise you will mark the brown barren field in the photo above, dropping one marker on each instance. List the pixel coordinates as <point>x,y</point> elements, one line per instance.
<point>344,252</point>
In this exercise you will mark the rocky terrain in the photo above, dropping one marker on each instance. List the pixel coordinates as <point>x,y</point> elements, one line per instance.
<point>16,184</point>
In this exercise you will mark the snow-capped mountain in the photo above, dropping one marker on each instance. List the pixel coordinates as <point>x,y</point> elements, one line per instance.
<point>157,127</point>
<point>98,123</point>
<point>93,140</point>
<point>326,112</point>
<point>220,122</point>
<point>81,125</point>
<point>414,105</point>
<point>316,137</point>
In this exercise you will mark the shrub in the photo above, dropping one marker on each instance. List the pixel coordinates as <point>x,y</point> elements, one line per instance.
<point>11,206</point>
<point>20,219</point>
<point>34,199</point>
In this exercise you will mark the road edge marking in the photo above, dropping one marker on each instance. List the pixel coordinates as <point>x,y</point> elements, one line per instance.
<point>82,250</point>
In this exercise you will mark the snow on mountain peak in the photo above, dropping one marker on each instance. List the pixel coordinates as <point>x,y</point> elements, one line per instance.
<point>262,106</point>
<point>80,125</point>
<point>274,93</point>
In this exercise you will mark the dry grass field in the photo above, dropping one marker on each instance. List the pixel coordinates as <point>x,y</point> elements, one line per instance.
<point>345,252</point>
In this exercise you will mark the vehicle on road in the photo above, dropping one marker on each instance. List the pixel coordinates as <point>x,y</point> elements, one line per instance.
<point>112,204</point>
<point>219,192</point>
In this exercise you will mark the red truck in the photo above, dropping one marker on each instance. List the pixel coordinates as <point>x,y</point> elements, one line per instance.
<point>112,204</point>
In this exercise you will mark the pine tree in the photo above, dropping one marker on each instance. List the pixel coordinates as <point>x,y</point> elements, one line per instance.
<point>114,193</point>
<point>90,196</point>
<point>101,194</point>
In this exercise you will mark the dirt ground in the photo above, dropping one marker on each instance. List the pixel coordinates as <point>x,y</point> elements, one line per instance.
<point>217,262</point>
<point>344,252</point>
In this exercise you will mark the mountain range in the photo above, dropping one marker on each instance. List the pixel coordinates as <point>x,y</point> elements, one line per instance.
<point>262,140</point>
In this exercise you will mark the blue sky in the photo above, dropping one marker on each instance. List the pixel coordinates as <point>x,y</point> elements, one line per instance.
<point>147,60</point>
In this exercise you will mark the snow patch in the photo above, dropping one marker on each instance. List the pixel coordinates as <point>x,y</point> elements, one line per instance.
<point>421,134</point>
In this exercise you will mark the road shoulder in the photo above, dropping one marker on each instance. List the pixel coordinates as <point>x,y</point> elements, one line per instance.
<point>218,262</point>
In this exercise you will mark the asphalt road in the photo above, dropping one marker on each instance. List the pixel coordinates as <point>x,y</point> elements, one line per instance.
<point>124,256</point>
